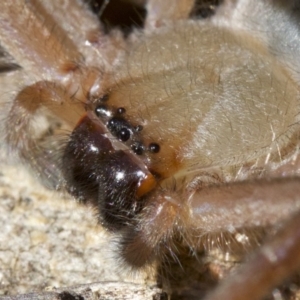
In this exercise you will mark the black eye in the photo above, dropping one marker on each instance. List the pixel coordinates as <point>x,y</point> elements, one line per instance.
<point>123,134</point>
<point>154,148</point>
<point>121,110</point>
<point>102,110</point>
<point>120,128</point>
<point>138,148</point>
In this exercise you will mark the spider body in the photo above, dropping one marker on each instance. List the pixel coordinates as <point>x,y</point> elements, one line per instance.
<point>185,133</point>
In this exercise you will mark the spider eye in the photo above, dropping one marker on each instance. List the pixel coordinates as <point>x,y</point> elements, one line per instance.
<point>154,148</point>
<point>121,110</point>
<point>99,170</point>
<point>123,134</point>
<point>138,148</point>
<point>102,110</point>
<point>120,128</point>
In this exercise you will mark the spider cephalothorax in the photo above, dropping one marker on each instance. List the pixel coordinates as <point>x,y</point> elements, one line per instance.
<point>181,130</point>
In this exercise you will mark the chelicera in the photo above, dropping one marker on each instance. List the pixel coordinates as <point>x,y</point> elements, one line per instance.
<point>112,146</point>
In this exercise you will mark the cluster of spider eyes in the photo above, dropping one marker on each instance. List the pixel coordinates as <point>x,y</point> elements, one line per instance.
<point>119,127</point>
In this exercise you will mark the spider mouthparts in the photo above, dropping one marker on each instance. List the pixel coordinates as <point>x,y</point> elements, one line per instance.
<point>146,185</point>
<point>101,170</point>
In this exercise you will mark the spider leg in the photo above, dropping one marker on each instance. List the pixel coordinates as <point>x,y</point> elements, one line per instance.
<point>213,209</point>
<point>243,204</point>
<point>270,266</point>
<point>38,49</point>
<point>54,80</point>
<point>160,13</point>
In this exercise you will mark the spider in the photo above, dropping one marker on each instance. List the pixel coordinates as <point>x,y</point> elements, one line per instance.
<point>185,130</point>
